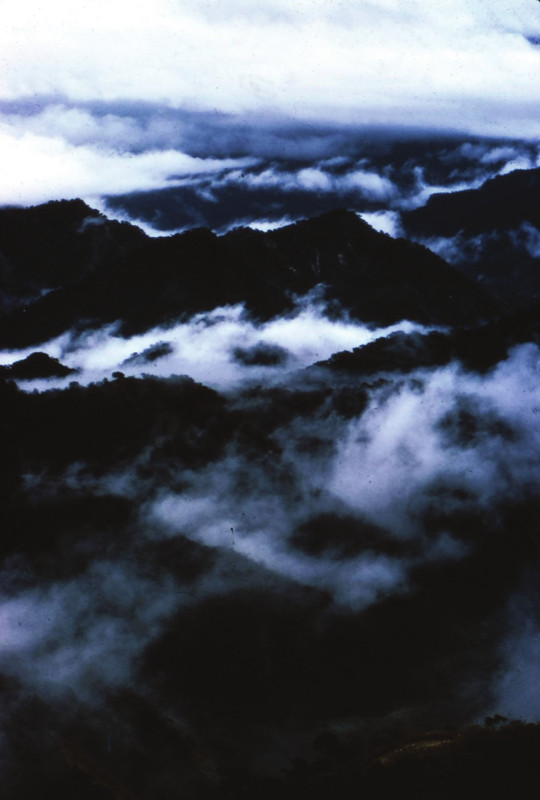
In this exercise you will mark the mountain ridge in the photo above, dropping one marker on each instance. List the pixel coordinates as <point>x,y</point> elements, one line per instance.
<point>500,203</point>
<point>143,282</point>
<point>491,234</point>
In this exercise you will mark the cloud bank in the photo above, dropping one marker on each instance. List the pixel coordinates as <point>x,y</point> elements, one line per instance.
<point>369,61</point>
<point>462,66</point>
<point>38,167</point>
<point>206,347</point>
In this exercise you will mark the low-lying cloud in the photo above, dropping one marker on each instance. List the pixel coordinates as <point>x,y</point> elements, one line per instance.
<point>81,636</point>
<point>338,544</point>
<point>406,441</point>
<point>206,347</point>
<point>436,441</point>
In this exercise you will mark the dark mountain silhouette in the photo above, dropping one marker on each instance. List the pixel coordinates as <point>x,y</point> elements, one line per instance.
<point>36,365</point>
<point>478,348</point>
<point>56,244</point>
<point>145,282</point>
<point>494,233</point>
<point>111,422</point>
<point>374,277</point>
<point>502,203</point>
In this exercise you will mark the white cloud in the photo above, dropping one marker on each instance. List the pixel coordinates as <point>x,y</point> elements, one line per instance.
<point>454,63</point>
<point>266,225</point>
<point>400,446</point>
<point>532,239</point>
<point>521,162</point>
<point>35,168</point>
<point>317,180</point>
<point>384,221</point>
<point>260,535</point>
<point>381,466</point>
<point>369,183</point>
<point>203,347</point>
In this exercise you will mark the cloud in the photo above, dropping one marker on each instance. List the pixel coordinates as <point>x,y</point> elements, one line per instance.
<point>469,250</point>
<point>259,534</point>
<point>516,686</point>
<point>81,635</point>
<point>384,221</point>
<point>52,167</point>
<point>517,695</point>
<point>441,437</point>
<point>378,175</point>
<point>505,157</point>
<point>264,225</point>
<point>458,65</point>
<point>317,180</point>
<point>373,505</point>
<point>225,166</point>
<point>400,441</point>
<point>532,239</point>
<point>204,347</point>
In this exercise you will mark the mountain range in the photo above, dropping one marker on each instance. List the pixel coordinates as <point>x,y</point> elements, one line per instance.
<point>270,504</point>
<point>102,271</point>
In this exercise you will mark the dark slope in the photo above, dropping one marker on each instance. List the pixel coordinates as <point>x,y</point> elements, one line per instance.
<point>106,423</point>
<point>487,761</point>
<point>478,348</point>
<point>493,234</point>
<point>246,670</point>
<point>502,203</point>
<point>55,244</point>
<point>36,365</point>
<point>376,278</point>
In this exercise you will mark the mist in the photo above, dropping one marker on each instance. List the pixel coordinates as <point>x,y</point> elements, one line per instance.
<point>305,491</point>
<point>222,349</point>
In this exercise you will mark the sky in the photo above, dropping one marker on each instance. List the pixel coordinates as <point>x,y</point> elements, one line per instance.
<point>113,97</point>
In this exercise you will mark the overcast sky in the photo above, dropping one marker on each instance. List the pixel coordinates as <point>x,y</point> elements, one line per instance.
<point>471,65</point>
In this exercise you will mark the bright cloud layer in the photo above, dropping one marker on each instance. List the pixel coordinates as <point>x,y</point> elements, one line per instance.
<point>447,63</point>
<point>470,66</point>
<point>36,167</point>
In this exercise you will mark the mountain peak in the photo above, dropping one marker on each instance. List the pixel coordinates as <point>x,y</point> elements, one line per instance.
<point>107,272</point>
